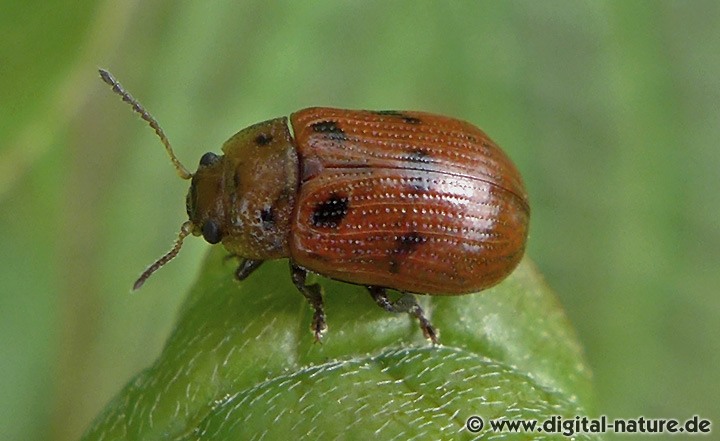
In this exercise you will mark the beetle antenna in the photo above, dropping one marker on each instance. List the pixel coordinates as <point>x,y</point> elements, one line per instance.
<point>170,255</point>
<point>140,110</point>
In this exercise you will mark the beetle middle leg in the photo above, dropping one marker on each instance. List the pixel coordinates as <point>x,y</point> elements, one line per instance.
<point>406,303</point>
<point>313,294</point>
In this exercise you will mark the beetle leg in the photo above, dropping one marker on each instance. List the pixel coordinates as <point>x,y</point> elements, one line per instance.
<point>406,303</point>
<point>313,294</point>
<point>247,266</point>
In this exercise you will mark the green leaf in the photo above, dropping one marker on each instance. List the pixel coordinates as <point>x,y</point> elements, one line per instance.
<point>242,364</point>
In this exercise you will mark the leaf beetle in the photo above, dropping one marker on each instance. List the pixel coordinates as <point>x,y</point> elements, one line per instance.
<point>410,201</point>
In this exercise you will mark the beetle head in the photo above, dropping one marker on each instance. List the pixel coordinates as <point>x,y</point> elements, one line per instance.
<point>204,201</point>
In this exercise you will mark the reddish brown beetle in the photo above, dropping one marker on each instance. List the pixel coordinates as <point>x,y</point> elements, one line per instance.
<point>409,201</point>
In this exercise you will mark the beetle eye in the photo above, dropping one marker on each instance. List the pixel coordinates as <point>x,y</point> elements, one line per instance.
<point>211,232</point>
<point>209,158</point>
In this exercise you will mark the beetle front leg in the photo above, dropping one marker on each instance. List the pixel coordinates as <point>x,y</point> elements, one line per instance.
<point>247,266</point>
<point>406,303</point>
<point>313,294</point>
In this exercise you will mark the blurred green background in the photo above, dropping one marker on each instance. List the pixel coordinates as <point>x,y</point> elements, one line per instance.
<point>610,109</point>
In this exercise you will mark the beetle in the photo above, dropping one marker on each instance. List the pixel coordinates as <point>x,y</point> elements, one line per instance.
<point>410,201</point>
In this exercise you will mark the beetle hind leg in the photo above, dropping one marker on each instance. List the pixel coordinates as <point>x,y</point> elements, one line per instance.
<point>313,294</point>
<point>406,303</point>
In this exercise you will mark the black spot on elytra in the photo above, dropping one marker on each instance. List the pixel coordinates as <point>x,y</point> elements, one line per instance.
<point>418,155</point>
<point>331,129</point>
<point>418,186</point>
<point>404,245</point>
<point>406,118</point>
<point>407,243</point>
<point>393,266</point>
<point>267,216</point>
<point>411,120</point>
<point>263,139</point>
<point>330,212</point>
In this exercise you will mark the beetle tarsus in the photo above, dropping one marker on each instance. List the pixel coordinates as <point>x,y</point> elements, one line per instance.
<point>313,294</point>
<point>406,303</point>
<point>247,266</point>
